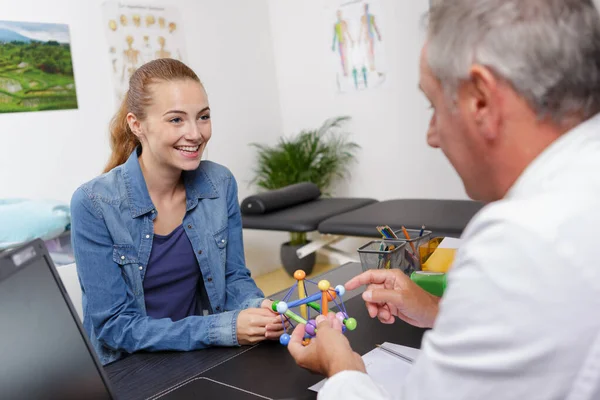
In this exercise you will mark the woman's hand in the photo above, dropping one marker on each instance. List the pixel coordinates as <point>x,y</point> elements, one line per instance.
<point>276,330</point>
<point>267,304</point>
<point>257,324</point>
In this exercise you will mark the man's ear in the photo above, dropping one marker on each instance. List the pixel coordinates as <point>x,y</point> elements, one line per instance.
<point>484,101</point>
<point>134,125</point>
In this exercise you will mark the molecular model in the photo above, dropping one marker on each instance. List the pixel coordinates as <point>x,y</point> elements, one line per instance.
<point>318,301</point>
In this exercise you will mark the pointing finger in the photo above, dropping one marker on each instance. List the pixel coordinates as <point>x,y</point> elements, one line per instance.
<point>371,276</point>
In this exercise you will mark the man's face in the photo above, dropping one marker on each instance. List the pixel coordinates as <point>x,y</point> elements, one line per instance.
<point>453,129</point>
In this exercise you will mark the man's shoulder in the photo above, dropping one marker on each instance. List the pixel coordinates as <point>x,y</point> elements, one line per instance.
<point>545,214</point>
<point>558,224</point>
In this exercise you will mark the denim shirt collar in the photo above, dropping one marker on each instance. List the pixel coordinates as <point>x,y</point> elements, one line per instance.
<point>197,186</point>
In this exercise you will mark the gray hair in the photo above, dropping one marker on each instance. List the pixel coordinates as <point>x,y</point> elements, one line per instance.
<point>547,50</point>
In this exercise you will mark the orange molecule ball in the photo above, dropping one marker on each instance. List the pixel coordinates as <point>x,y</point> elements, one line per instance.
<point>331,294</point>
<point>299,275</point>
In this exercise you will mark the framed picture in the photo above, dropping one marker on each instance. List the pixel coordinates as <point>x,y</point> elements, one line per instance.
<point>36,67</point>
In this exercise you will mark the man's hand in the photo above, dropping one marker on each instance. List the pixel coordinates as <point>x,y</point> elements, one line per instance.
<point>329,352</point>
<point>390,293</point>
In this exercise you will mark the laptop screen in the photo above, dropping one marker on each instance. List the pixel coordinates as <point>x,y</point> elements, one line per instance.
<point>42,351</point>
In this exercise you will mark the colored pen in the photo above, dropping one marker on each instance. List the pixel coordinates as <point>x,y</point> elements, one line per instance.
<point>381,250</point>
<point>388,262</point>
<point>384,234</point>
<point>412,246</point>
<point>422,230</point>
<point>395,353</point>
<point>391,232</point>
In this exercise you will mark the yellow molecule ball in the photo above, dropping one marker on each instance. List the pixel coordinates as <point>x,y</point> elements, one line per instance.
<point>324,285</point>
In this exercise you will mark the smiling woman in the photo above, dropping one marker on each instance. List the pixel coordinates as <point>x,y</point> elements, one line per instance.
<point>158,237</point>
<point>163,95</point>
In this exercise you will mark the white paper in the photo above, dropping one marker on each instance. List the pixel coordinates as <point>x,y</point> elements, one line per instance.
<point>449,243</point>
<point>387,370</point>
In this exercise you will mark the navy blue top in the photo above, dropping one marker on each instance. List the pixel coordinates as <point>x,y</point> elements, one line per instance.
<point>173,285</point>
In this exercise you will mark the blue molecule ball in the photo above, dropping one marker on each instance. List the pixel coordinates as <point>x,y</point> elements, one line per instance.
<point>282,307</point>
<point>284,339</point>
<point>340,289</point>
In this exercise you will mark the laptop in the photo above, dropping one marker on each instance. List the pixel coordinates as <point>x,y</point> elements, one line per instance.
<point>44,350</point>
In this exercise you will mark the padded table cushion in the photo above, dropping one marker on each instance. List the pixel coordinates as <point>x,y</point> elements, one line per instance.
<point>442,217</point>
<point>304,217</point>
<point>278,199</point>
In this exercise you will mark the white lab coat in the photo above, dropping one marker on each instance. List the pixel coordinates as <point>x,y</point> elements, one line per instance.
<point>520,318</point>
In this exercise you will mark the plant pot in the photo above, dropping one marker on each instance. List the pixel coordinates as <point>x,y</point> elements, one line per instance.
<point>291,262</point>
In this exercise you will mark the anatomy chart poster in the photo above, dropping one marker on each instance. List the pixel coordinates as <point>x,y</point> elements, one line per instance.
<point>138,33</point>
<point>357,45</point>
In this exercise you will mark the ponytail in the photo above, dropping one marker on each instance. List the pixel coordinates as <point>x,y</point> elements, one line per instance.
<point>122,140</point>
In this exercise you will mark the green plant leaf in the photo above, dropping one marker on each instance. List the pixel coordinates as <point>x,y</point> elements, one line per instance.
<point>321,156</point>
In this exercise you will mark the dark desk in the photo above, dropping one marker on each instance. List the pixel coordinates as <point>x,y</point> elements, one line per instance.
<point>262,371</point>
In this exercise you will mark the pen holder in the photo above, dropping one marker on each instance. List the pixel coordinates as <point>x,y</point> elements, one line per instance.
<point>383,254</point>
<point>434,258</point>
<point>416,257</point>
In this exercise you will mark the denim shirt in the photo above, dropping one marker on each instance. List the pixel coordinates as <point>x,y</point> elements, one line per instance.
<point>112,230</point>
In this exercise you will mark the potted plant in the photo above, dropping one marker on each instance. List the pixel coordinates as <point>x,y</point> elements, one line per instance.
<point>320,156</point>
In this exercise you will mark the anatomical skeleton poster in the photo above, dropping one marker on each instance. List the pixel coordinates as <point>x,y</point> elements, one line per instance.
<point>138,33</point>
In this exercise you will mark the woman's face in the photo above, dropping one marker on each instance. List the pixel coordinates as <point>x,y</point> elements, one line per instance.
<point>177,125</point>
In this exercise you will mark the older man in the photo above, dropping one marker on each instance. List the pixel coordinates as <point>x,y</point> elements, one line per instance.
<point>515,91</point>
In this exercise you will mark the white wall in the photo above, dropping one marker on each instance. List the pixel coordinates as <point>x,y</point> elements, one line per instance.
<point>265,64</point>
<point>389,122</point>
<point>47,155</point>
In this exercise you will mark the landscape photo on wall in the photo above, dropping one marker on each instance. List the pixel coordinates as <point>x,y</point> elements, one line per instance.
<point>36,68</point>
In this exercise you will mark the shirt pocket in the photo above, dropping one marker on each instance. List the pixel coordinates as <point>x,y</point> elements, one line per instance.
<point>221,240</point>
<point>126,256</point>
